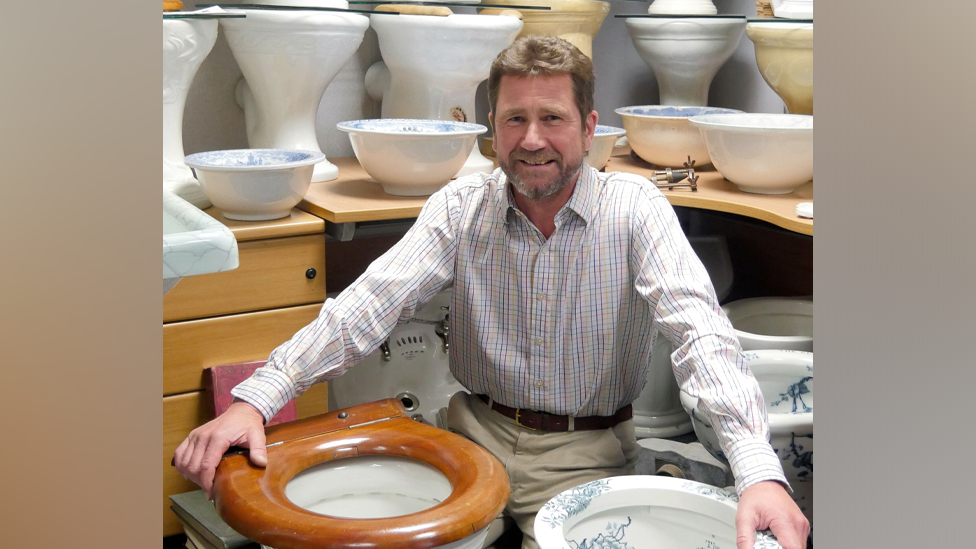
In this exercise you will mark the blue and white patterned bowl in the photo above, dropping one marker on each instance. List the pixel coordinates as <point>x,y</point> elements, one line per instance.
<point>604,140</point>
<point>255,184</point>
<point>639,511</point>
<point>662,135</point>
<point>786,381</point>
<point>411,157</point>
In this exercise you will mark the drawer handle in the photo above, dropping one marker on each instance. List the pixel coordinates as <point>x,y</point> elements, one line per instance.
<point>310,274</point>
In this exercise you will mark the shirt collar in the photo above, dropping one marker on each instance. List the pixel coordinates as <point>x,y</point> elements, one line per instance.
<point>583,202</point>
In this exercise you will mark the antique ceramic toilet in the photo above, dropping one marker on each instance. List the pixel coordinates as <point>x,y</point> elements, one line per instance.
<point>575,21</point>
<point>685,43</point>
<point>186,43</point>
<point>642,511</point>
<point>432,66</point>
<point>289,58</point>
<point>366,476</point>
<point>657,410</point>
<point>784,54</point>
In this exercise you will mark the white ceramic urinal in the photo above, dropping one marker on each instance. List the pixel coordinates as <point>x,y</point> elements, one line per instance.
<point>186,43</point>
<point>432,67</point>
<point>289,58</point>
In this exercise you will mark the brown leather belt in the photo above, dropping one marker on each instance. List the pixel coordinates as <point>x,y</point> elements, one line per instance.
<point>544,421</point>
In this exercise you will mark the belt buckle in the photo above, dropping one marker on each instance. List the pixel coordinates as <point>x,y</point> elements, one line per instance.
<point>518,412</point>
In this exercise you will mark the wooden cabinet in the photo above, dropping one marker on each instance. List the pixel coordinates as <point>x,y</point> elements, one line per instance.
<point>237,316</point>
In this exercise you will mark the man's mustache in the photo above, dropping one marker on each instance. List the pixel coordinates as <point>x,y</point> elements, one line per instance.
<point>536,157</point>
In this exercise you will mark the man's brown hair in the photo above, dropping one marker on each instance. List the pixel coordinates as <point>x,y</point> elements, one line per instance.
<point>545,55</point>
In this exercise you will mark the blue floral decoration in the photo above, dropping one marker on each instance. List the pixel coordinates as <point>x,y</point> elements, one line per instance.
<point>573,502</point>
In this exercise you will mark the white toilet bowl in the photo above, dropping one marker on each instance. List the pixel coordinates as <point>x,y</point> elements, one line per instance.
<point>186,43</point>
<point>685,53</point>
<point>772,323</point>
<point>289,58</point>
<point>642,511</point>
<point>366,476</point>
<point>657,410</point>
<point>786,381</point>
<point>432,67</point>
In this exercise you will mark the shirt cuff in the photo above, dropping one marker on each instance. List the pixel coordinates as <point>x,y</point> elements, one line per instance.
<point>754,461</point>
<point>267,389</point>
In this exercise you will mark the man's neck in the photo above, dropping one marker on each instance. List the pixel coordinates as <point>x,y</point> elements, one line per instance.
<point>542,211</point>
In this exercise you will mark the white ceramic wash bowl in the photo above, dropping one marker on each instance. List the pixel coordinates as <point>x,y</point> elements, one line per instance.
<point>255,184</point>
<point>760,153</point>
<point>682,7</point>
<point>432,67</point>
<point>604,140</point>
<point>410,157</point>
<point>642,511</point>
<point>784,323</point>
<point>193,242</point>
<point>662,134</point>
<point>685,53</point>
<point>786,381</point>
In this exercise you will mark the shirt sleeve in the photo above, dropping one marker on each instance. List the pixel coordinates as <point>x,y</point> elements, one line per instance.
<point>708,361</point>
<point>353,324</point>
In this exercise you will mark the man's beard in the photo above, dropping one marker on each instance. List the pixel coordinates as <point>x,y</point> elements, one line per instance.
<point>567,174</point>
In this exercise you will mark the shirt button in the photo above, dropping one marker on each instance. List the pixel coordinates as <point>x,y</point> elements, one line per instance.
<point>540,297</point>
<point>538,342</point>
<point>539,384</point>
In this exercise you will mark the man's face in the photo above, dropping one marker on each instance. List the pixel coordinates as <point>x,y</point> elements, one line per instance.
<point>538,135</point>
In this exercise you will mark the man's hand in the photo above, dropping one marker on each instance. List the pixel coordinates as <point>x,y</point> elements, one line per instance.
<point>768,505</point>
<point>197,457</point>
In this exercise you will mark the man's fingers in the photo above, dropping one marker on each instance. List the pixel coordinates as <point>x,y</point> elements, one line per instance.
<point>745,529</point>
<point>786,533</point>
<point>256,444</point>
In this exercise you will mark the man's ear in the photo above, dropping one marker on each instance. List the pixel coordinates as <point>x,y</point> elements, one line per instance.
<point>491,122</point>
<point>590,128</point>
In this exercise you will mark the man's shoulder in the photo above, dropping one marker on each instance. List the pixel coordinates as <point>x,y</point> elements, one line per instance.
<point>627,186</point>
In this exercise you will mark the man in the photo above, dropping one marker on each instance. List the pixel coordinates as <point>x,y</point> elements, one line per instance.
<point>560,276</point>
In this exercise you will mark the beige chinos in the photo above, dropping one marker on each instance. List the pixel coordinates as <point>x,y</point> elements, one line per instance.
<point>541,464</point>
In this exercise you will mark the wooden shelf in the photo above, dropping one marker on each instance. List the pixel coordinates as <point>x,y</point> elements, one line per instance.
<point>354,197</point>
<point>719,194</point>
<point>298,223</point>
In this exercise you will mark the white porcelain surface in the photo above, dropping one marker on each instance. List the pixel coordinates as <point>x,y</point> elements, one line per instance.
<point>685,53</point>
<point>432,67</point>
<point>793,9</point>
<point>186,43</point>
<point>372,487</point>
<point>784,323</point>
<point>418,372</point>
<point>642,511</point>
<point>682,7</point>
<point>784,55</point>
<point>288,59</point>
<point>193,242</point>
<point>255,184</point>
<point>663,135</point>
<point>786,381</point>
<point>760,153</point>
<point>657,410</point>
<point>604,140</point>
<point>411,157</point>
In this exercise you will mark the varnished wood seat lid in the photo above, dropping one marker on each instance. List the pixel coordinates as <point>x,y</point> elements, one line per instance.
<point>252,500</point>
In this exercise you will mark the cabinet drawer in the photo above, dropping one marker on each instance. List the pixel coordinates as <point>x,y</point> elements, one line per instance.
<point>191,346</point>
<point>184,413</point>
<point>272,274</point>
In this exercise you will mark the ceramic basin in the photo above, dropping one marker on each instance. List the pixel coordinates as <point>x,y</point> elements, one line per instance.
<point>193,242</point>
<point>784,54</point>
<point>663,135</point>
<point>604,140</point>
<point>786,382</point>
<point>784,323</point>
<point>642,511</point>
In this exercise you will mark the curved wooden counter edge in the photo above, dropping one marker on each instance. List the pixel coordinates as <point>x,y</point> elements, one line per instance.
<point>719,194</point>
<point>354,197</point>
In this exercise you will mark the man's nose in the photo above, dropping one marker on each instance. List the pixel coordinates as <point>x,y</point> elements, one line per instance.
<point>534,138</point>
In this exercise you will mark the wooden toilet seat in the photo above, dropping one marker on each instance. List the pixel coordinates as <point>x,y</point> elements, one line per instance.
<point>252,500</point>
